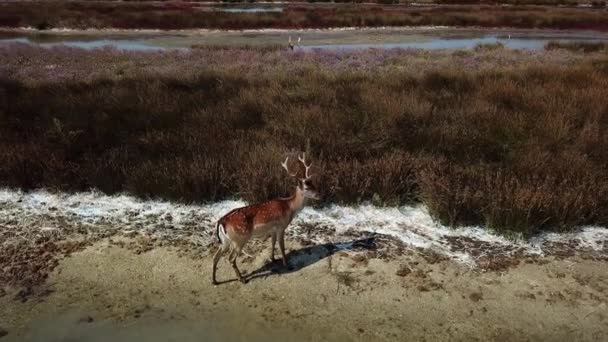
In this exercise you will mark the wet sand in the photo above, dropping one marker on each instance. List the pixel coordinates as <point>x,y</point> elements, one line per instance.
<point>110,292</point>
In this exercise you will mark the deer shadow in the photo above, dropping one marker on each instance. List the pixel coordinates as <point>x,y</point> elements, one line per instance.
<point>307,256</point>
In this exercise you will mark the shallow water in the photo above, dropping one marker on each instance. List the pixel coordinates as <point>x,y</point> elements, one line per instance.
<point>447,43</point>
<point>417,38</point>
<point>250,10</point>
<point>131,45</point>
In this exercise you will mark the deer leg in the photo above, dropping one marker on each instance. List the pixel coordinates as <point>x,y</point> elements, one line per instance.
<point>216,258</point>
<point>272,244</point>
<point>233,256</point>
<point>224,247</point>
<point>282,247</point>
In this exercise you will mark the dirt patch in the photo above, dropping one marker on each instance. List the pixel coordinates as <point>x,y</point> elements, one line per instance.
<point>28,265</point>
<point>476,296</point>
<point>403,271</point>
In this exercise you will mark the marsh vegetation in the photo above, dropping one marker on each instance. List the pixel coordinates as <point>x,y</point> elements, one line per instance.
<point>510,139</point>
<point>44,15</point>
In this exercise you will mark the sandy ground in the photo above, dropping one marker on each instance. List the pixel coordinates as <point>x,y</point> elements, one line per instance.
<point>107,292</point>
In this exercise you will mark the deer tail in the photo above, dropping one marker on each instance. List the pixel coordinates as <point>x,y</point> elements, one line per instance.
<point>220,232</point>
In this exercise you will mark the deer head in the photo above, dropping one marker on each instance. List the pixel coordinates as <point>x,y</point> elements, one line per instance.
<point>304,184</point>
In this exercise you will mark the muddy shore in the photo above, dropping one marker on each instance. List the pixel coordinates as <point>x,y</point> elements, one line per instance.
<point>110,291</point>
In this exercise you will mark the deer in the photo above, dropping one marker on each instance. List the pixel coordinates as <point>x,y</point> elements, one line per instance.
<point>291,45</point>
<point>261,220</point>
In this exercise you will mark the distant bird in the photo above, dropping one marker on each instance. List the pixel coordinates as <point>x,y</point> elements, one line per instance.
<point>290,43</point>
<point>299,40</point>
<point>509,37</point>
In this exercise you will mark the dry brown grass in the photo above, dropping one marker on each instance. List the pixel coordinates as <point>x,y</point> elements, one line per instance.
<point>521,148</point>
<point>185,15</point>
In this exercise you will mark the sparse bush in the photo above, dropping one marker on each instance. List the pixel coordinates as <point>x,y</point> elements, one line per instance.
<point>507,200</point>
<point>577,46</point>
<point>44,25</point>
<point>489,46</point>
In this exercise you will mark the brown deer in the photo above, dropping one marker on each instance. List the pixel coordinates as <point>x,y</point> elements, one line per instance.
<point>262,220</point>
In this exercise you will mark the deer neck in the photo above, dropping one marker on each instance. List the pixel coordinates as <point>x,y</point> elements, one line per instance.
<point>296,201</point>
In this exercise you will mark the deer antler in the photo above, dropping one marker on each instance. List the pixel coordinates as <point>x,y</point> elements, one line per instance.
<point>307,167</point>
<point>284,165</point>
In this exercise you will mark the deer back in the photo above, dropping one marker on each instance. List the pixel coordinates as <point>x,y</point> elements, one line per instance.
<point>244,220</point>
